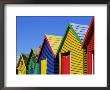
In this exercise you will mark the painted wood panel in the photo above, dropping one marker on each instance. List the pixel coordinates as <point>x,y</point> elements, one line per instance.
<point>85,61</point>
<point>48,51</point>
<point>65,63</point>
<point>32,65</point>
<point>88,44</point>
<point>51,61</point>
<point>36,68</point>
<point>43,66</point>
<point>73,45</point>
<point>90,51</point>
<point>21,67</point>
<point>54,42</point>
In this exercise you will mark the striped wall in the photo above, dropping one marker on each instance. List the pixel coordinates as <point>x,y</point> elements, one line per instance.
<point>52,63</point>
<point>72,44</point>
<point>32,65</point>
<point>85,61</point>
<point>21,66</point>
<point>54,42</point>
<point>90,46</point>
<point>90,49</point>
<point>36,66</point>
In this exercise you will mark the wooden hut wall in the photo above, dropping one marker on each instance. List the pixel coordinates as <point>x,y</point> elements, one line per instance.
<point>71,44</point>
<point>36,66</point>
<point>90,50</point>
<point>32,65</point>
<point>21,66</point>
<point>88,45</point>
<point>52,65</point>
<point>85,61</point>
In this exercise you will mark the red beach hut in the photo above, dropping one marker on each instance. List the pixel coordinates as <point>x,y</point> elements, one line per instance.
<point>88,44</point>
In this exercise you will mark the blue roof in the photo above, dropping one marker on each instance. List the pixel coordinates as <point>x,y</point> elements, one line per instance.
<point>80,30</point>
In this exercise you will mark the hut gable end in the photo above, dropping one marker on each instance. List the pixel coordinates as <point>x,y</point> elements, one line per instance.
<point>71,43</point>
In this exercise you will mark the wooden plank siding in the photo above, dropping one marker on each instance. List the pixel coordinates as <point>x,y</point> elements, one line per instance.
<point>71,44</point>
<point>88,44</point>
<point>48,51</point>
<point>85,61</point>
<point>32,65</point>
<point>51,61</point>
<point>90,50</point>
<point>21,66</point>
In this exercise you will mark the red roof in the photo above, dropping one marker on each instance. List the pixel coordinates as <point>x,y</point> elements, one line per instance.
<point>89,33</point>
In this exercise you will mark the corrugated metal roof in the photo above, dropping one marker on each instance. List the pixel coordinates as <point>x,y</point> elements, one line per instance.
<point>54,42</point>
<point>80,30</point>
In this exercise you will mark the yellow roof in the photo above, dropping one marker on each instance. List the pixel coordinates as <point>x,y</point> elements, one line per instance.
<point>54,42</point>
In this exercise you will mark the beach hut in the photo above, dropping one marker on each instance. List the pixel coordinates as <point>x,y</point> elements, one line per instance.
<point>70,52</point>
<point>88,44</point>
<point>32,65</point>
<point>48,64</point>
<point>21,65</point>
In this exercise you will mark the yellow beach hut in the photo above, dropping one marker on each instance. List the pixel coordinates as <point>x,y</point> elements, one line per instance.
<point>70,52</point>
<point>21,65</point>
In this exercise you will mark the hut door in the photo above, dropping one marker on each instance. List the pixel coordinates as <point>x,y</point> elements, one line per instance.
<point>65,63</point>
<point>43,66</point>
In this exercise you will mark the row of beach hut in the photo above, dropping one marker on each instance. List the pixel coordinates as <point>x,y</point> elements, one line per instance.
<point>71,54</point>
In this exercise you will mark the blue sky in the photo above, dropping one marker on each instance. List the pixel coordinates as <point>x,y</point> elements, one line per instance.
<point>31,29</point>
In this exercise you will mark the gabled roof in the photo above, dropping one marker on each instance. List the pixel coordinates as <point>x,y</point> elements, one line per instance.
<point>53,41</point>
<point>35,51</point>
<point>80,30</point>
<point>76,30</point>
<point>25,58</point>
<point>89,33</point>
